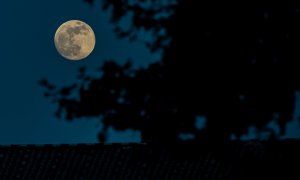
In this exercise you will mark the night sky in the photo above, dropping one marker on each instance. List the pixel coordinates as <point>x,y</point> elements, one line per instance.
<point>29,54</point>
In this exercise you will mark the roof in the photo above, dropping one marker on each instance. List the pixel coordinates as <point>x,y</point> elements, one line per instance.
<point>234,160</point>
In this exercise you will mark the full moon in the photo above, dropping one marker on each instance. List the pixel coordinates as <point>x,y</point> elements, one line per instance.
<point>74,40</point>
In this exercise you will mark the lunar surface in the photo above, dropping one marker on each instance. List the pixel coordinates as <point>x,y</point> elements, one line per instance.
<point>74,40</point>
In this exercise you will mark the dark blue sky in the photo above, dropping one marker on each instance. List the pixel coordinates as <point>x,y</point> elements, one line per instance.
<point>28,54</point>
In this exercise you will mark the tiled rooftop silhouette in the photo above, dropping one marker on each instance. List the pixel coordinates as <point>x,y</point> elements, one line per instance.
<point>236,160</point>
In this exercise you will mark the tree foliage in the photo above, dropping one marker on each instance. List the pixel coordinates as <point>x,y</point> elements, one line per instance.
<point>234,64</point>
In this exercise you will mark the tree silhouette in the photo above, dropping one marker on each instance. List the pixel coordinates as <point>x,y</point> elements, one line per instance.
<point>236,65</point>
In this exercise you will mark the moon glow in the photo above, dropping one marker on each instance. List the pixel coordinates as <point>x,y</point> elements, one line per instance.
<point>74,40</point>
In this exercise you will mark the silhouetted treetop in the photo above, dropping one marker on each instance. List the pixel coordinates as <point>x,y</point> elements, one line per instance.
<point>233,66</point>
<point>144,16</point>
